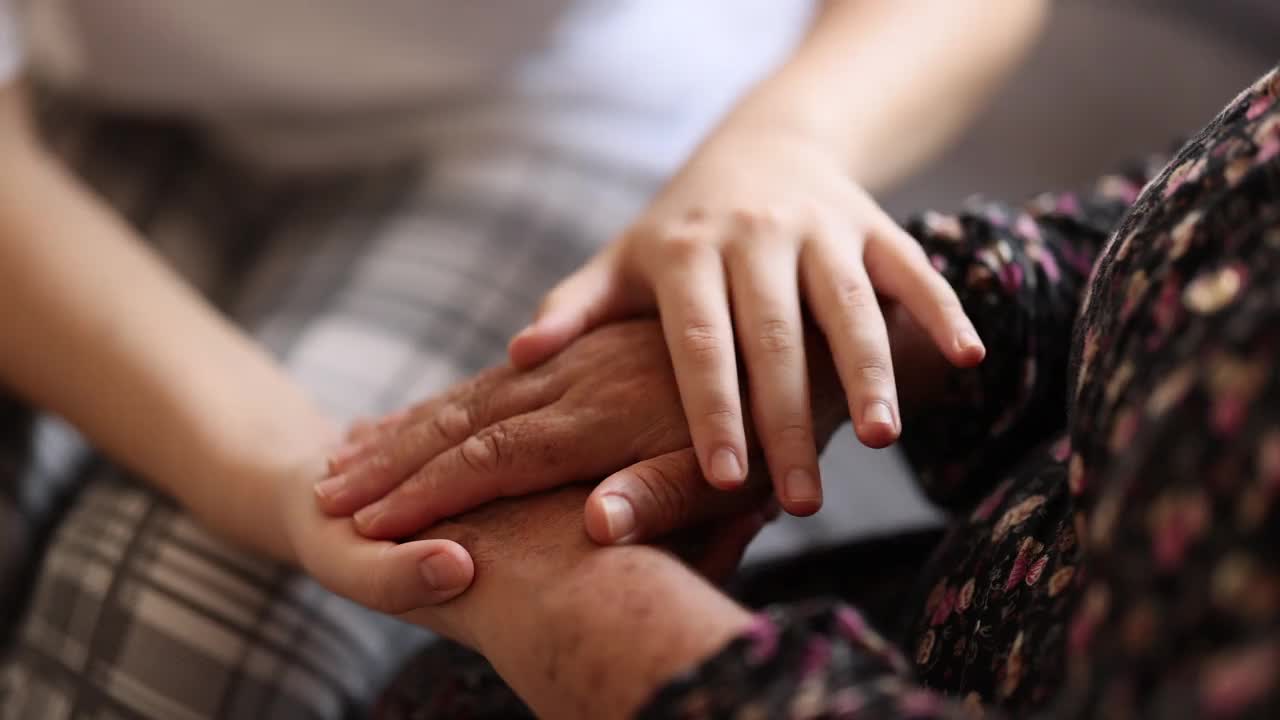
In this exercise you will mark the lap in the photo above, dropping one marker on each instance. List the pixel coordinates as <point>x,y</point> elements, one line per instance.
<point>139,612</point>
<point>374,287</point>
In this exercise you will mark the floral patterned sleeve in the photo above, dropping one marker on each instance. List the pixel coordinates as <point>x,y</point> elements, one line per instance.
<point>820,661</point>
<point>1128,570</point>
<point>1020,272</point>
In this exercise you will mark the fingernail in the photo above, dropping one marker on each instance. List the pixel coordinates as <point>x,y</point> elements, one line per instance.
<point>365,516</point>
<point>619,517</point>
<point>343,455</point>
<point>725,466</point>
<point>331,487</point>
<point>968,340</point>
<point>442,572</point>
<point>528,330</point>
<point>878,413</point>
<point>802,486</point>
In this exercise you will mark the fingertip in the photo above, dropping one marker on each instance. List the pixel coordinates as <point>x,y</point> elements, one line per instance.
<point>876,437</point>
<point>342,458</point>
<point>800,492</point>
<point>399,578</point>
<point>539,341</point>
<point>726,470</point>
<point>527,348</point>
<point>329,493</point>
<point>447,570</point>
<point>877,426</point>
<point>968,349</point>
<point>596,521</point>
<point>610,518</point>
<point>801,507</point>
<point>370,521</point>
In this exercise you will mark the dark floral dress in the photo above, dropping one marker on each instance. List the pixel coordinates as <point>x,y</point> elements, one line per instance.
<point>1114,468</point>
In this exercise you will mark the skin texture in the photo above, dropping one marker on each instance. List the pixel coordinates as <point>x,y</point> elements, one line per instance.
<point>772,213</point>
<point>608,401</point>
<point>509,433</point>
<point>216,424</point>
<point>580,630</point>
<point>577,630</point>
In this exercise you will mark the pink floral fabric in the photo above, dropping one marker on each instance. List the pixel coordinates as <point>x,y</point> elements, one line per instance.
<point>1114,468</point>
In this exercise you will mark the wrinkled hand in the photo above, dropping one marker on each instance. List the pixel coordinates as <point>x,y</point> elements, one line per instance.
<point>524,547</point>
<point>607,402</point>
<point>759,219</point>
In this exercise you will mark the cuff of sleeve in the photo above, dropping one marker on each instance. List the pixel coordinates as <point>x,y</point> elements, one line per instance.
<point>790,654</point>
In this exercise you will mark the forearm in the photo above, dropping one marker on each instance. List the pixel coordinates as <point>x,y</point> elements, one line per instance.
<point>98,330</point>
<point>888,84</point>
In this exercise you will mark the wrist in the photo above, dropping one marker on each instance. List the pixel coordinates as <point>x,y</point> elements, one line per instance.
<point>793,103</point>
<point>259,479</point>
<point>611,631</point>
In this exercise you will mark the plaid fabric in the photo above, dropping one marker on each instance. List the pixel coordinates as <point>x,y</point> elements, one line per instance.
<point>375,288</point>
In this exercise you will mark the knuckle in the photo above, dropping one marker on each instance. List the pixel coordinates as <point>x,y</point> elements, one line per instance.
<point>813,216</point>
<point>721,415</point>
<point>776,337</point>
<point>701,343</point>
<point>482,453</point>
<point>451,423</point>
<point>665,498</point>
<point>760,218</point>
<point>793,429</point>
<point>854,296</point>
<point>380,462</point>
<point>695,215</point>
<point>683,247</point>
<point>874,371</point>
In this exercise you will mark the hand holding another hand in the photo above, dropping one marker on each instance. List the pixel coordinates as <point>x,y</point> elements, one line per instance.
<point>607,404</point>
<point>762,222</point>
<point>579,630</point>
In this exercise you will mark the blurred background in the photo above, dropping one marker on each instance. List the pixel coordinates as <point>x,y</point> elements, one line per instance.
<point>1110,81</point>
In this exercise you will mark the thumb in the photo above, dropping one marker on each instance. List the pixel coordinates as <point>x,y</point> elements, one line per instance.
<point>395,578</point>
<point>661,495</point>
<point>589,297</point>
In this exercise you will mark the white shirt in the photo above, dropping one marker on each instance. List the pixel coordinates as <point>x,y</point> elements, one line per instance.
<point>634,81</point>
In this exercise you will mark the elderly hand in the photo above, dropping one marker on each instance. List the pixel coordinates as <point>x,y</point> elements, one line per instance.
<point>606,403</point>
<point>578,630</point>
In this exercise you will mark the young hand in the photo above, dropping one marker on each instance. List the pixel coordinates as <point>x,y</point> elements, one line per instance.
<point>758,221</point>
<point>386,576</point>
